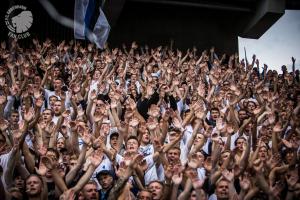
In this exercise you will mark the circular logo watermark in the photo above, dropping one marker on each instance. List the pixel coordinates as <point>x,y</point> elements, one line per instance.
<point>18,20</point>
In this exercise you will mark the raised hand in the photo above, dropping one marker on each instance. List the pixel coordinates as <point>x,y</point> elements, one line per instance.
<point>177,123</point>
<point>256,111</point>
<point>132,104</point>
<point>287,143</point>
<point>277,189</point>
<point>39,102</point>
<point>48,162</point>
<point>134,122</point>
<point>292,179</point>
<point>168,169</point>
<point>177,178</point>
<point>245,183</point>
<point>134,45</point>
<point>136,159</point>
<point>271,118</point>
<point>228,175</point>
<point>96,158</point>
<point>201,90</point>
<point>66,113</point>
<point>121,170</point>
<point>113,104</point>
<point>293,59</point>
<point>277,128</point>
<point>194,162</point>
<point>86,138</point>
<point>200,114</point>
<point>197,183</point>
<point>28,116</point>
<point>42,150</point>
<point>219,123</point>
<point>191,173</point>
<point>42,170</point>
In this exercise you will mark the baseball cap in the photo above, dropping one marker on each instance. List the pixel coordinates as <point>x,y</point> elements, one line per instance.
<point>105,172</point>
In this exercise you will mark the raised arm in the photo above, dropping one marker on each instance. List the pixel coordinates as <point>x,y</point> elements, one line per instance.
<point>73,172</point>
<point>95,160</point>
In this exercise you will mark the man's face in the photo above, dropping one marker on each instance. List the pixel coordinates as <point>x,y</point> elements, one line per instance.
<point>133,78</point>
<point>132,146</point>
<point>60,144</point>
<point>47,115</point>
<point>99,106</point>
<point>193,195</point>
<point>200,157</point>
<point>156,190</point>
<point>96,75</point>
<point>105,181</point>
<point>52,101</point>
<point>144,195</point>
<point>37,80</point>
<point>289,157</point>
<point>215,114</point>
<point>57,85</point>
<point>242,115</point>
<point>239,144</point>
<point>198,138</point>
<point>14,118</point>
<point>222,190</point>
<point>78,60</point>
<point>114,141</point>
<point>90,192</point>
<point>33,186</point>
<point>56,72</point>
<point>263,153</point>
<point>251,106</point>
<point>173,155</point>
<point>19,182</point>
<point>146,138</point>
<point>73,162</point>
<point>57,107</point>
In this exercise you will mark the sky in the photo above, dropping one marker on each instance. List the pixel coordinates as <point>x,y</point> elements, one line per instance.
<point>276,47</point>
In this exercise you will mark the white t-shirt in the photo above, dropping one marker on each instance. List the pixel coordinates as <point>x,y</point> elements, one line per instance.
<point>104,165</point>
<point>146,150</point>
<point>4,158</point>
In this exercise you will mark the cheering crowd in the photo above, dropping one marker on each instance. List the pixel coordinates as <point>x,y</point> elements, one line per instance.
<point>141,123</point>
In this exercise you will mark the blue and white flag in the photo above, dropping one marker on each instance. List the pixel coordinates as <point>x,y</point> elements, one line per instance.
<point>83,14</point>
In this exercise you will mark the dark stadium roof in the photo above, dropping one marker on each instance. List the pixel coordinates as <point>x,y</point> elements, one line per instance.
<point>238,4</point>
<point>156,21</point>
